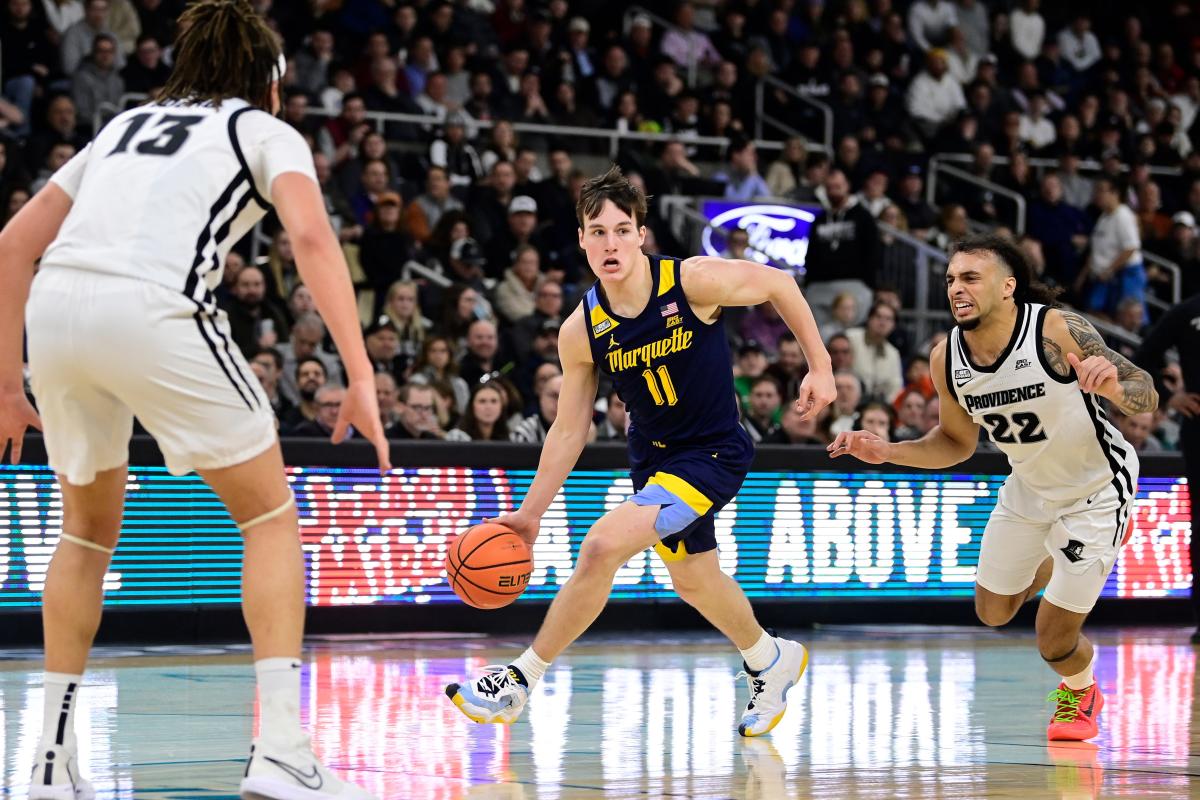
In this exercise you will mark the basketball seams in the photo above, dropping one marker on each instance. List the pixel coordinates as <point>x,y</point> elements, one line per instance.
<point>463,585</point>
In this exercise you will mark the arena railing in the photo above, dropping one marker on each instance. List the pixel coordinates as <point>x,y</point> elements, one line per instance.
<point>936,168</point>
<point>1042,164</point>
<point>762,116</point>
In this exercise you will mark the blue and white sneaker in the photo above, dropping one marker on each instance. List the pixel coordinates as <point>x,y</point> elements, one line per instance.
<point>56,776</point>
<point>498,695</point>
<point>769,688</point>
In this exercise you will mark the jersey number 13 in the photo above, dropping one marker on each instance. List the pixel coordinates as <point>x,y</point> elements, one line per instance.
<point>163,138</point>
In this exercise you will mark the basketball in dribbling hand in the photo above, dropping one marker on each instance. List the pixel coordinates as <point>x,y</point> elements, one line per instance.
<point>488,565</point>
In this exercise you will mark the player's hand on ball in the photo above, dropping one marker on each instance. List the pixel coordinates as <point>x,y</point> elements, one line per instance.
<point>361,409</point>
<point>521,524</point>
<point>16,415</point>
<point>863,445</point>
<point>817,390</point>
<point>1096,374</point>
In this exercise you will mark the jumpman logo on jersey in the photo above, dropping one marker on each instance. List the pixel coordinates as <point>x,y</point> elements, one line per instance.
<point>612,342</point>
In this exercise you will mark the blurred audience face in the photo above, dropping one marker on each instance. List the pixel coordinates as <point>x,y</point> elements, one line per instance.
<point>912,410</point>
<point>481,340</point>
<point>840,353</point>
<point>250,288</point>
<point>752,363</point>
<point>790,356</point>
<point>329,403</point>
<point>487,405</point>
<point>419,412</point>
<point>736,243</point>
<point>616,413</point>
<point>1137,429</point>
<point>437,354</point>
<point>881,323</point>
<point>264,367</point>
<point>402,301</point>
<point>548,300</point>
<point>527,267</point>
<point>386,395</point>
<point>849,393</point>
<point>306,337</point>
<point>837,188</point>
<point>1052,190</point>
<point>764,399</point>
<point>437,185</point>
<point>310,376</point>
<point>542,374</point>
<point>932,416</point>
<point>876,421</point>
<point>845,309</point>
<point>548,398</point>
<point>383,345</point>
<point>504,178</point>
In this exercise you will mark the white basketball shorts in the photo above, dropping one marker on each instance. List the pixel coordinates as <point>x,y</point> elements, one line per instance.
<point>104,348</point>
<point>1082,536</point>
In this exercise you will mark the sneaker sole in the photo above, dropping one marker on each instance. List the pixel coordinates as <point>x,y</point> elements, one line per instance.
<point>272,789</point>
<point>779,716</point>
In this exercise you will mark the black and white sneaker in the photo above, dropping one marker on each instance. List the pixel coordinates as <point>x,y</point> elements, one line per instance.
<point>56,776</point>
<point>293,774</point>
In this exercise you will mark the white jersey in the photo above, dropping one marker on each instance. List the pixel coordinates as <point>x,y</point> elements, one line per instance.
<point>164,191</point>
<point>1057,438</point>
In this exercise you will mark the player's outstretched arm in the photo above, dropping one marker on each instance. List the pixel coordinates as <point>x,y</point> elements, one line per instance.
<point>569,433</point>
<point>23,241</point>
<point>713,283</point>
<point>1070,342</point>
<point>951,441</point>
<point>323,269</point>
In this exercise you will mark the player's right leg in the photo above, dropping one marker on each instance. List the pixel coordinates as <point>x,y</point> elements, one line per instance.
<point>500,693</point>
<point>1013,563</point>
<point>71,606</point>
<point>772,665</point>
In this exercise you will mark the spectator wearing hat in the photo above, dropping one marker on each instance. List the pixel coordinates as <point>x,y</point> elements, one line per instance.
<point>910,199</point>
<point>543,350</point>
<point>385,246</point>
<point>422,214</point>
<point>1184,249</point>
<point>383,348</point>
<point>466,262</point>
<point>522,230</point>
<point>883,114</point>
<point>453,153</point>
<point>934,97</point>
<point>742,181</point>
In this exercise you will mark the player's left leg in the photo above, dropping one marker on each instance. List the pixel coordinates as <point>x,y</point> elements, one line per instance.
<point>772,665</point>
<point>1084,544</point>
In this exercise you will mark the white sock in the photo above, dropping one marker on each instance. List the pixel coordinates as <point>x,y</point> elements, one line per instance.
<point>1086,678</point>
<point>762,654</point>
<point>58,720</point>
<point>279,700</point>
<point>531,666</point>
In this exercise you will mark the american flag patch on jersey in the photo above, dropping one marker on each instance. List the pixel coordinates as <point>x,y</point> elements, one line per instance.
<point>669,309</point>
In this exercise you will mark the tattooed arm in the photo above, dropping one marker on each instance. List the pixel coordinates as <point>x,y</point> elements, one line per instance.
<point>1070,342</point>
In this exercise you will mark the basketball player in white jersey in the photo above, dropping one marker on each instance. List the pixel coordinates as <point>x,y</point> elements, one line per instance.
<point>132,234</point>
<point>1032,376</point>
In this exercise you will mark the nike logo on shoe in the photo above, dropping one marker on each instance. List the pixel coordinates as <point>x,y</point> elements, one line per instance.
<point>1091,706</point>
<point>302,778</point>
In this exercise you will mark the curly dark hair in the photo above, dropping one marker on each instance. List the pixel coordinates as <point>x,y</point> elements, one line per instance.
<point>1009,256</point>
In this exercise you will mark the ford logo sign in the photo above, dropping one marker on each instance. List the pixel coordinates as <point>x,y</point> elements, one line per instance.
<point>778,234</point>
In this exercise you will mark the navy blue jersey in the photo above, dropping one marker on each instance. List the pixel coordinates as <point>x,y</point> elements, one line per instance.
<point>673,370</point>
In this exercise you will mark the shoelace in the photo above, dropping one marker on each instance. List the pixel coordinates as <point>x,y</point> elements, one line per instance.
<point>1068,704</point>
<point>497,682</point>
<point>756,684</point>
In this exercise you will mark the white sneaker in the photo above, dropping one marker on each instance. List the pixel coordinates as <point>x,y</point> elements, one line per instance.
<point>56,776</point>
<point>769,688</point>
<point>498,695</point>
<point>293,774</point>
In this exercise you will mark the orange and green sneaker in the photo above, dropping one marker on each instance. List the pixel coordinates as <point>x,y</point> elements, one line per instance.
<point>1075,713</point>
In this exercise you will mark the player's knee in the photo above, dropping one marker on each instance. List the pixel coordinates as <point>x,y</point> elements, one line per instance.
<point>601,552</point>
<point>1058,646</point>
<point>687,585</point>
<point>993,613</point>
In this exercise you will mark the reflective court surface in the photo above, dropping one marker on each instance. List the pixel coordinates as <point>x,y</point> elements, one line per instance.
<point>883,712</point>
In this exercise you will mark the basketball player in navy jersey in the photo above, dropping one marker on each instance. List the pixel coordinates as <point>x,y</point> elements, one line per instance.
<point>654,325</point>
<point>1030,374</point>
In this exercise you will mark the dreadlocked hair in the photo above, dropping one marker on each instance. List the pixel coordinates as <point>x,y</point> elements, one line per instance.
<point>224,50</point>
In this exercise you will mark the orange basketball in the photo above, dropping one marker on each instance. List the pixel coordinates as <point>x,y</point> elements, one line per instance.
<point>488,566</point>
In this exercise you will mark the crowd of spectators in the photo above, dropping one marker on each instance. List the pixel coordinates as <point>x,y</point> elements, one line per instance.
<point>492,210</point>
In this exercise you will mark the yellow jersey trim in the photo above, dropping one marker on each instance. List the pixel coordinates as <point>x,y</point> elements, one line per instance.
<point>683,490</point>
<point>666,276</point>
